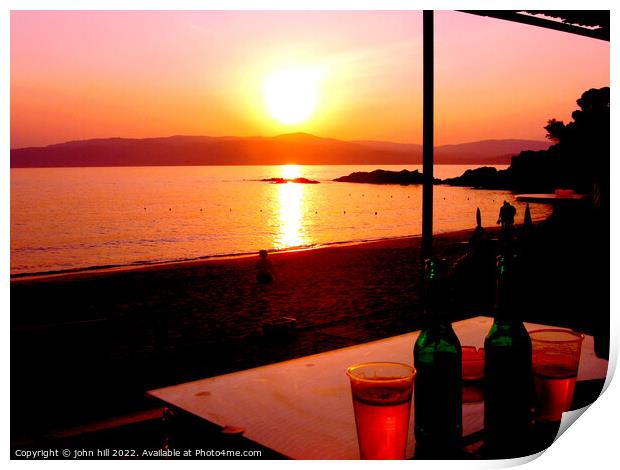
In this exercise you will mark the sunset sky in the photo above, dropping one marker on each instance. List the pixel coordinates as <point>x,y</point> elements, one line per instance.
<point>78,75</point>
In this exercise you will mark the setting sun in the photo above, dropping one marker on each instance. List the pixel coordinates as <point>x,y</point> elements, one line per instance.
<point>291,171</point>
<point>291,95</point>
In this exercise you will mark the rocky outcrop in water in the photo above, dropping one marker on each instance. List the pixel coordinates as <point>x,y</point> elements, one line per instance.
<point>404,177</point>
<point>290,180</point>
<point>481,178</point>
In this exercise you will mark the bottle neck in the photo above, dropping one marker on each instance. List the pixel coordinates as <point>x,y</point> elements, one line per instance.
<point>439,329</point>
<point>507,322</point>
<point>506,311</point>
<point>506,305</point>
<point>436,318</point>
<point>507,315</point>
<point>434,295</point>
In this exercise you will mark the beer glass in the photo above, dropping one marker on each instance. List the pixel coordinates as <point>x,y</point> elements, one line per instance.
<point>381,393</point>
<point>555,361</point>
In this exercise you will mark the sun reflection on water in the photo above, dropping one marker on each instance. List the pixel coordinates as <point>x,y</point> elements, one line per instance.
<point>290,231</point>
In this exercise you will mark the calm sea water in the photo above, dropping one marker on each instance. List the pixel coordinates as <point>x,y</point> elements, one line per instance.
<point>72,218</point>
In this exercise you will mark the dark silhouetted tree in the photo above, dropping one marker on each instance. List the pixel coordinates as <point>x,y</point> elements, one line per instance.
<point>579,158</point>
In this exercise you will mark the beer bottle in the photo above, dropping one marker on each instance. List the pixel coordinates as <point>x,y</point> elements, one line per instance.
<point>508,386</point>
<point>438,383</point>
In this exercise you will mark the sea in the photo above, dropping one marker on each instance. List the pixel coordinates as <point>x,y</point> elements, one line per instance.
<point>72,219</point>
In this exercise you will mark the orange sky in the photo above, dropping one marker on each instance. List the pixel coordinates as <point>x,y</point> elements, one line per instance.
<point>86,74</point>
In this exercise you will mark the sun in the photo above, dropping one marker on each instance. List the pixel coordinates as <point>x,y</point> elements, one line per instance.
<point>291,95</point>
<point>290,171</point>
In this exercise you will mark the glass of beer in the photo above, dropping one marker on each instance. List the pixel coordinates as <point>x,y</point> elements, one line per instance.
<point>555,361</point>
<point>382,394</point>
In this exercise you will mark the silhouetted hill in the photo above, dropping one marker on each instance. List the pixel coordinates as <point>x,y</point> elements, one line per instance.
<point>391,146</point>
<point>483,152</point>
<point>300,148</point>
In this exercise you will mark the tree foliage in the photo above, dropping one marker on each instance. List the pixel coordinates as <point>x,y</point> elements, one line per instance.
<point>579,156</point>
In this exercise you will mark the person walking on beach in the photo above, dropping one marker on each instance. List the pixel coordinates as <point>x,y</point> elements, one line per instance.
<point>507,215</point>
<point>263,269</point>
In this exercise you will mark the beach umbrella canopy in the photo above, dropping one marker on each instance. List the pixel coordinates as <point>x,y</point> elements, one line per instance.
<point>589,23</point>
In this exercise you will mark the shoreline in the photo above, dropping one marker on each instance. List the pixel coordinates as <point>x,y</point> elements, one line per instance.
<point>71,273</point>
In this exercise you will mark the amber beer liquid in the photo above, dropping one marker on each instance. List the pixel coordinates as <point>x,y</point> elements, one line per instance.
<point>382,420</point>
<point>555,361</point>
<point>554,383</point>
<point>382,406</point>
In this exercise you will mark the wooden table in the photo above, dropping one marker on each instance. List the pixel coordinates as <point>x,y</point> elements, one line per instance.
<point>302,408</point>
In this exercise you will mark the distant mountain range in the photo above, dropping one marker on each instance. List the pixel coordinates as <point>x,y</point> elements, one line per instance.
<point>299,148</point>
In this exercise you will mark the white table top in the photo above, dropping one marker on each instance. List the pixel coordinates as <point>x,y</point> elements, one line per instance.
<point>302,408</point>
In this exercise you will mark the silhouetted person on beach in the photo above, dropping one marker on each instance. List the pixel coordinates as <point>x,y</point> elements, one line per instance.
<point>263,269</point>
<point>507,215</point>
<point>479,235</point>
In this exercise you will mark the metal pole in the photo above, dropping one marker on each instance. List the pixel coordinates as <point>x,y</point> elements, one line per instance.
<point>427,132</point>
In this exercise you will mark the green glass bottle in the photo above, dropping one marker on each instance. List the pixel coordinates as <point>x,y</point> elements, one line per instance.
<point>508,386</point>
<point>438,383</point>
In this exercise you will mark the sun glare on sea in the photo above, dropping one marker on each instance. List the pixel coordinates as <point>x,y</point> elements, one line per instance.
<point>290,171</point>
<point>290,228</point>
<point>291,95</point>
